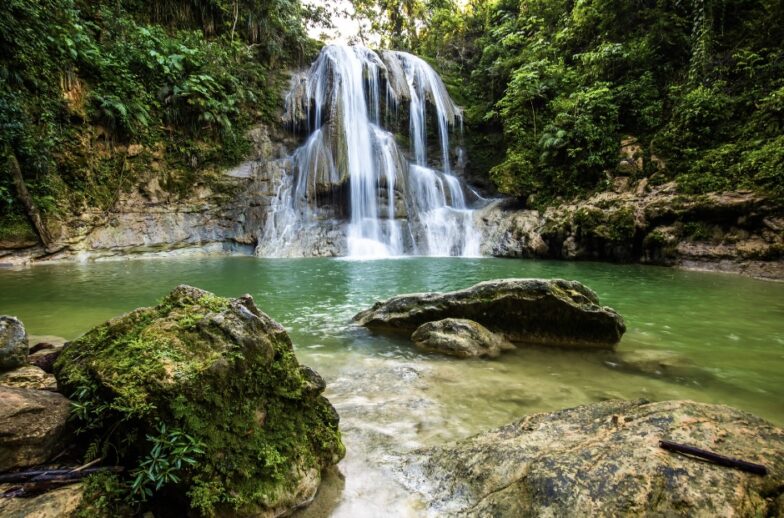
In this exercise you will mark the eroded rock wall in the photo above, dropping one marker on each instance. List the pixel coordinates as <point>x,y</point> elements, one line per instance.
<point>736,232</point>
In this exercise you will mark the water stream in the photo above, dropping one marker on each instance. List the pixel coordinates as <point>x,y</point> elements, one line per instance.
<point>352,176</point>
<point>391,398</point>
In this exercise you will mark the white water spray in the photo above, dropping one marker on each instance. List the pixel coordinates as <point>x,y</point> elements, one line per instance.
<point>350,173</point>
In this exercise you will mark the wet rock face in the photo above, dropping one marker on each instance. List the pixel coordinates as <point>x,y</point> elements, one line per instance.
<point>533,311</point>
<point>459,337</point>
<point>604,460</point>
<point>222,372</point>
<point>32,423</point>
<point>13,343</point>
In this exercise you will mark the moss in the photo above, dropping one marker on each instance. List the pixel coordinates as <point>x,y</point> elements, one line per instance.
<point>218,370</point>
<point>15,228</point>
<point>103,497</point>
<point>656,238</point>
<point>698,231</point>
<point>615,225</point>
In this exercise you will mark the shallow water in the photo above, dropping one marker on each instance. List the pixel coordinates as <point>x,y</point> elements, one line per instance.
<point>392,398</point>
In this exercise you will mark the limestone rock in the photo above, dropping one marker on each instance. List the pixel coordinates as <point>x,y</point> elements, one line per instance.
<point>533,311</point>
<point>459,337</point>
<point>224,373</point>
<point>58,503</point>
<point>604,460</point>
<point>29,376</point>
<point>13,343</point>
<point>32,425</point>
<point>645,222</point>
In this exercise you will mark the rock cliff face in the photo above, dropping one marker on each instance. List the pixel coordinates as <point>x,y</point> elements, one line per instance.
<point>225,216</point>
<point>633,221</point>
<point>604,460</point>
<point>736,232</point>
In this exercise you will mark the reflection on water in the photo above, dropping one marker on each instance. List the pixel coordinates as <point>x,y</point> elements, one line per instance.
<point>392,398</point>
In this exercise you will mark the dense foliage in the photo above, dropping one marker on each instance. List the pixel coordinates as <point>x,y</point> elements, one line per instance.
<point>181,80</point>
<point>698,85</point>
<point>551,89</point>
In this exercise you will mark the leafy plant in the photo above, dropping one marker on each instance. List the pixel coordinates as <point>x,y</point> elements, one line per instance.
<point>172,452</point>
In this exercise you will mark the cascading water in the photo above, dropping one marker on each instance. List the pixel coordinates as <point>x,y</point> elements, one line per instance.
<point>351,182</point>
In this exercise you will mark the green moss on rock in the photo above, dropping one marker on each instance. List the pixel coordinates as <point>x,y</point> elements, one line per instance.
<point>220,371</point>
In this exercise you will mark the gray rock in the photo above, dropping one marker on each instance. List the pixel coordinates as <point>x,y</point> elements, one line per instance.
<point>13,343</point>
<point>604,460</point>
<point>32,425</point>
<point>532,311</point>
<point>459,337</point>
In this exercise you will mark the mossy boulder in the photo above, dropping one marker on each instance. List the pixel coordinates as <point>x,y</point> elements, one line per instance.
<point>528,311</point>
<point>219,375</point>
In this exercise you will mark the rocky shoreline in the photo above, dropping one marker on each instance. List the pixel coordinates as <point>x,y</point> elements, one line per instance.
<point>736,232</point>
<point>214,387</point>
<point>632,222</point>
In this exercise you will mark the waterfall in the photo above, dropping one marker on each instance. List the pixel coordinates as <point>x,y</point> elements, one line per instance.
<point>352,189</point>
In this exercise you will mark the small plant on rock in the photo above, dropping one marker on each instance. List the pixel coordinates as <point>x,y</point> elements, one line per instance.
<point>173,451</point>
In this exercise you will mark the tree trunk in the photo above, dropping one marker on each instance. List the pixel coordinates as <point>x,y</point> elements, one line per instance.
<point>27,201</point>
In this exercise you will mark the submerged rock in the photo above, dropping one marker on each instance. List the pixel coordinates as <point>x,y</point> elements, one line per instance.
<point>459,337</point>
<point>13,343</point>
<point>533,311</point>
<point>32,425</point>
<point>656,363</point>
<point>604,460</point>
<point>222,372</point>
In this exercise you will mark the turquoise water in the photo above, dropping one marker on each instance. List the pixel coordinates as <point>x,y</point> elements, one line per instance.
<point>728,329</point>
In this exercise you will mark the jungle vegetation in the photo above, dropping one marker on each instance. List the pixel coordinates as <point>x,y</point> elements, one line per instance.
<point>550,87</point>
<point>83,84</point>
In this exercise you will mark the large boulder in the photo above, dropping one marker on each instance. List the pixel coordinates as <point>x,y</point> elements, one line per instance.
<point>32,426</point>
<point>459,337</point>
<point>13,343</point>
<point>604,460</point>
<point>221,376</point>
<point>531,311</point>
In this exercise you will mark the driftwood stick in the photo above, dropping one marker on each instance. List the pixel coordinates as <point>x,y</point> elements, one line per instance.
<point>74,475</point>
<point>88,465</point>
<point>729,462</point>
<point>27,201</point>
